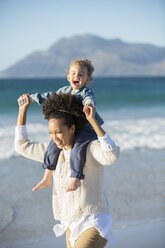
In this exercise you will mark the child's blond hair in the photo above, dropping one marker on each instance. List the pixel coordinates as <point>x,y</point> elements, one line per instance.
<point>86,63</point>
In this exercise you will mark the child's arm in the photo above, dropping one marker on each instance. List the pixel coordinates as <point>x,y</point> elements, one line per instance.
<point>40,98</point>
<point>89,100</point>
<point>88,97</point>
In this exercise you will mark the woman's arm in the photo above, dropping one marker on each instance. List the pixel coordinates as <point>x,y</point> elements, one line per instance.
<point>23,103</point>
<point>23,146</point>
<point>104,151</point>
<point>90,116</point>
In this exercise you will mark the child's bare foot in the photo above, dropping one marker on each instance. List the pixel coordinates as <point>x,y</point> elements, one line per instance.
<point>42,184</point>
<point>75,184</point>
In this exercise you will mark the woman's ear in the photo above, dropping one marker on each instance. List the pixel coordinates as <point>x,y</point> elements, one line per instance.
<point>73,129</point>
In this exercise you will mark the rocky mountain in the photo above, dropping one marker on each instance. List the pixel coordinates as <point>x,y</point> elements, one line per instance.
<point>110,58</point>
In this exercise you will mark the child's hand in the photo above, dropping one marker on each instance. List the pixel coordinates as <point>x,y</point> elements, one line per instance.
<point>89,111</point>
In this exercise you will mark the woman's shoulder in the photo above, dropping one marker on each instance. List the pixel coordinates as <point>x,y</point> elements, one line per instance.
<point>93,151</point>
<point>96,155</point>
<point>94,144</point>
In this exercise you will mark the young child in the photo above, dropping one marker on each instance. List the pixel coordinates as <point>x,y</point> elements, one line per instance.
<point>79,76</point>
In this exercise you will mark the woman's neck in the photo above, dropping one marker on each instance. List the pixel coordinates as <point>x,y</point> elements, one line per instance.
<point>66,149</point>
<point>71,142</point>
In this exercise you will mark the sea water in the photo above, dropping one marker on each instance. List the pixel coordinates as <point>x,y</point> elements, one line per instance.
<point>133,110</point>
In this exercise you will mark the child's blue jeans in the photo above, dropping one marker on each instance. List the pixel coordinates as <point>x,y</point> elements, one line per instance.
<point>77,156</point>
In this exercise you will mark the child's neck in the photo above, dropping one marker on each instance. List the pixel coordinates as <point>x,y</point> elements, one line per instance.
<point>75,90</point>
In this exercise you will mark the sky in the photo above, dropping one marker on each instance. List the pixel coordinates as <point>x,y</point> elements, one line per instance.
<point>27,26</point>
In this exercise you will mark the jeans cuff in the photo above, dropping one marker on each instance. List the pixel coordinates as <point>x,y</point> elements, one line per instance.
<point>49,167</point>
<point>79,176</point>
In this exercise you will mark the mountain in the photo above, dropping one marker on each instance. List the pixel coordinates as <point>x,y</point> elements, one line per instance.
<point>110,58</point>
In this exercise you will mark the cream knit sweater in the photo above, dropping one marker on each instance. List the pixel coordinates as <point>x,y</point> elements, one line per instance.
<point>90,198</point>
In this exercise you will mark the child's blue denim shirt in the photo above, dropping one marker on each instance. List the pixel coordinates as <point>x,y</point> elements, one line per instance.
<point>85,93</point>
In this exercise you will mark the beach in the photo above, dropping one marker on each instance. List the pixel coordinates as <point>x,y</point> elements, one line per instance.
<point>139,236</point>
<point>134,186</point>
<point>133,110</point>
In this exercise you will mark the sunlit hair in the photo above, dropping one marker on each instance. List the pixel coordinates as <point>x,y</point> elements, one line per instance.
<point>86,63</point>
<point>67,107</point>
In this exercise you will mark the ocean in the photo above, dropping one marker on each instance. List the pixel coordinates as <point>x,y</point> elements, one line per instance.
<point>133,110</point>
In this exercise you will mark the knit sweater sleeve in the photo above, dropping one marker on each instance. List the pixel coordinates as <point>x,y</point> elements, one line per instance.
<point>27,148</point>
<point>97,156</point>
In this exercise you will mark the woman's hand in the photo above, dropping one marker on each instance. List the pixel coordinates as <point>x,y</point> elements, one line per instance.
<point>23,102</point>
<point>89,111</point>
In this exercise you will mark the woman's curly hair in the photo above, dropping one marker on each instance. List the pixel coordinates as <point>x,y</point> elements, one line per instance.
<point>67,107</point>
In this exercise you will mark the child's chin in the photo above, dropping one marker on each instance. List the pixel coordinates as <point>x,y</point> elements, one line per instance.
<point>76,87</point>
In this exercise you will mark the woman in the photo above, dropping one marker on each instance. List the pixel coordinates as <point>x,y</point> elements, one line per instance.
<point>83,213</point>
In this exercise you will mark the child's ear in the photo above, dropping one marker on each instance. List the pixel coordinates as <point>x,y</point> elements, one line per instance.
<point>88,80</point>
<point>68,78</point>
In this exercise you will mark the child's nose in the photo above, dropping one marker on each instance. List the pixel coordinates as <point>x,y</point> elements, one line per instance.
<point>77,75</point>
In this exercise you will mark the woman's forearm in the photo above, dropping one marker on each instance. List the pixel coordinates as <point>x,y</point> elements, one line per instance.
<point>21,120</point>
<point>90,116</point>
<point>96,126</point>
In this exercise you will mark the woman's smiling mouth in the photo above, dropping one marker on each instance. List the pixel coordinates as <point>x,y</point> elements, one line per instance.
<point>58,143</point>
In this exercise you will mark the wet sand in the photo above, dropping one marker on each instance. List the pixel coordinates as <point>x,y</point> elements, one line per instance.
<point>148,235</point>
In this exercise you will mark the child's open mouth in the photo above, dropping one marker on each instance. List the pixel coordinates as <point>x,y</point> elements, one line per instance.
<point>76,83</point>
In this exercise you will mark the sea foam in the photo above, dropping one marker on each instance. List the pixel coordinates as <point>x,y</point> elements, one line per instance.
<point>130,134</point>
<point>36,132</point>
<point>134,134</point>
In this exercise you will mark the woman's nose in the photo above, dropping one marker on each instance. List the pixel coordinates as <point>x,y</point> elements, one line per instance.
<point>53,136</point>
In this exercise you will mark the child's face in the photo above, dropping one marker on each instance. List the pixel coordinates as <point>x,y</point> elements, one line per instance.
<point>78,76</point>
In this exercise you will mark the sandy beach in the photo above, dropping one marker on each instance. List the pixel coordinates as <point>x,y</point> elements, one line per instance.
<point>135,186</point>
<point>139,236</point>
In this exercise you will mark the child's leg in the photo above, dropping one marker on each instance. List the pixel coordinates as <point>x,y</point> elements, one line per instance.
<point>45,182</point>
<point>50,161</point>
<point>78,157</point>
<point>51,156</point>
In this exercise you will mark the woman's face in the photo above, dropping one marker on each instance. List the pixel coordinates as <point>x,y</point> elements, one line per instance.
<point>62,136</point>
